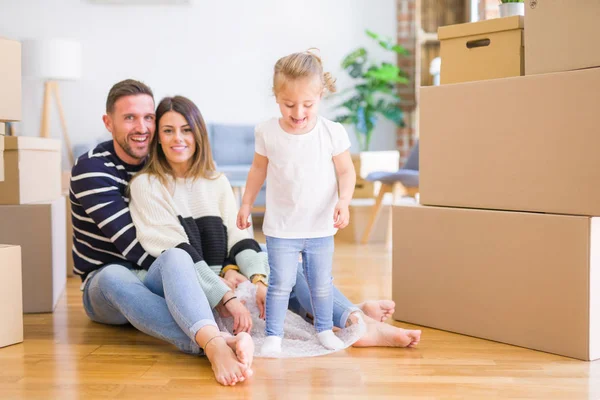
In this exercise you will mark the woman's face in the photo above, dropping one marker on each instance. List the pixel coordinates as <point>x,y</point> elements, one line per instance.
<point>176,138</point>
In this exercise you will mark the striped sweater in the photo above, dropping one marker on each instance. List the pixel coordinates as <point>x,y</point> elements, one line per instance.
<point>103,232</point>
<point>198,216</point>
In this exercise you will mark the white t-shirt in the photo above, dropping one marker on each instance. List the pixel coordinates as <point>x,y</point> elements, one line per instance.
<point>302,188</point>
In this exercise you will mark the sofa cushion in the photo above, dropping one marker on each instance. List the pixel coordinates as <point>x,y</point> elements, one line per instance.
<point>232,144</point>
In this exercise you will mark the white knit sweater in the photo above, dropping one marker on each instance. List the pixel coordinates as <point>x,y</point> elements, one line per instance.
<point>198,216</point>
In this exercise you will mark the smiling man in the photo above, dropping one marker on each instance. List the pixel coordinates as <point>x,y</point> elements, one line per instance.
<point>102,227</point>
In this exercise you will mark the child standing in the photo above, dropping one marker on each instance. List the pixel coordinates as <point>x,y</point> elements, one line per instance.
<point>300,155</point>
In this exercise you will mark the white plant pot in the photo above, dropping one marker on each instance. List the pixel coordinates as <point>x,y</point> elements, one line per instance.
<point>510,9</point>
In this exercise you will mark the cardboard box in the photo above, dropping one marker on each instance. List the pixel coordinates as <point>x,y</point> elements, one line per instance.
<point>11,297</point>
<point>40,231</point>
<point>65,186</point>
<point>10,80</point>
<point>31,170</point>
<point>366,162</point>
<point>526,144</point>
<point>1,158</point>
<point>481,50</point>
<point>360,215</point>
<point>561,35</point>
<point>526,279</point>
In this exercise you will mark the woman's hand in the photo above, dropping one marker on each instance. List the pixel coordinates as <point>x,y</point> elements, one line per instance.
<point>234,278</point>
<point>261,298</point>
<point>242,321</point>
<point>242,217</point>
<point>228,283</point>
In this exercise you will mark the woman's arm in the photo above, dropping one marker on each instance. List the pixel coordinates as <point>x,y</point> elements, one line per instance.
<point>158,229</point>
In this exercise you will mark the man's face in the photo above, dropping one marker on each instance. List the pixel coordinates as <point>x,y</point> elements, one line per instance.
<point>132,126</point>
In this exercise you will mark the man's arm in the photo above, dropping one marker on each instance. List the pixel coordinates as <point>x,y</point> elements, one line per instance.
<point>101,194</point>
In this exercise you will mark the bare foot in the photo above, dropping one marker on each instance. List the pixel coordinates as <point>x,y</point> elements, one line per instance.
<point>379,310</point>
<point>380,334</point>
<point>225,365</point>
<point>243,346</point>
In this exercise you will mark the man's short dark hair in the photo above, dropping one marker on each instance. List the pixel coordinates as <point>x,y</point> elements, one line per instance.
<point>128,87</point>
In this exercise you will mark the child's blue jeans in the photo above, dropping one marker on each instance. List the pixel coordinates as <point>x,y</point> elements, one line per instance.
<point>317,259</point>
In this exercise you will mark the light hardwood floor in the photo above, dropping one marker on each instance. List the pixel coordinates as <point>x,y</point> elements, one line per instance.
<point>66,356</point>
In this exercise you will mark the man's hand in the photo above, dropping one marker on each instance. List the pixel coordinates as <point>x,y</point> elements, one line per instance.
<point>233,277</point>
<point>341,215</point>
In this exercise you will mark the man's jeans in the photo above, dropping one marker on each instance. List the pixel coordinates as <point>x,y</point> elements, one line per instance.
<point>169,304</point>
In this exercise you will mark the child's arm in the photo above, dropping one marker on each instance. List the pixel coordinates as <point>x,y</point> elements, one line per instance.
<point>346,182</point>
<point>256,178</point>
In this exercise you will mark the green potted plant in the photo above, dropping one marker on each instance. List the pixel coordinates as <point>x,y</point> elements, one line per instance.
<point>374,92</point>
<point>509,8</point>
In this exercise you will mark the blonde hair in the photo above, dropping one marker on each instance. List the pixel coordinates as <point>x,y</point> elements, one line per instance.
<point>202,165</point>
<point>301,65</point>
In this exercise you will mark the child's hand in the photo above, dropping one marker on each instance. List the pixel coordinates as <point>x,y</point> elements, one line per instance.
<point>242,217</point>
<point>341,215</point>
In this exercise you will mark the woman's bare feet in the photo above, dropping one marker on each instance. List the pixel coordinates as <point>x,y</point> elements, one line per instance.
<point>227,368</point>
<point>379,310</point>
<point>380,334</point>
<point>243,346</point>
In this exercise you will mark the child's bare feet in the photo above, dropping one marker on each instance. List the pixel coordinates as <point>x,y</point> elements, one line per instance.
<point>225,365</point>
<point>379,310</point>
<point>243,346</point>
<point>380,334</point>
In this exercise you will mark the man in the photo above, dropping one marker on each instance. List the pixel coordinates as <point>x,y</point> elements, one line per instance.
<point>106,253</point>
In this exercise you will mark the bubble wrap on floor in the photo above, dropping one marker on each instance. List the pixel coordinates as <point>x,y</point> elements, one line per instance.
<point>300,337</point>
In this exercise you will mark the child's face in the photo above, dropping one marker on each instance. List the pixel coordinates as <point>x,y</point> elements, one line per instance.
<point>298,101</point>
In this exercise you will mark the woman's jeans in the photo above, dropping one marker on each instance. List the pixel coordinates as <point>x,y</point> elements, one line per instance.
<point>115,295</point>
<point>317,259</point>
<point>169,304</point>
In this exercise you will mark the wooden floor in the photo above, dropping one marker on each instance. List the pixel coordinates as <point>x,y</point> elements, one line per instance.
<point>66,356</point>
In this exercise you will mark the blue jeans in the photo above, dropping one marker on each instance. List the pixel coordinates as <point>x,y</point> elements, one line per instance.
<point>317,259</point>
<point>169,304</point>
<point>300,302</point>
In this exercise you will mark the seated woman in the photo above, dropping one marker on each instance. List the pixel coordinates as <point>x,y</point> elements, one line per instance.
<point>180,201</point>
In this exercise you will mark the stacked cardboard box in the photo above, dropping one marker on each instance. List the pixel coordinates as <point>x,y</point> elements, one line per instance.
<point>506,245</point>
<point>32,210</point>
<point>11,304</point>
<point>481,50</point>
<point>11,299</point>
<point>65,187</point>
<point>10,82</point>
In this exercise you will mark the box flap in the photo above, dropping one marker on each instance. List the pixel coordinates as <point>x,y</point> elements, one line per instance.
<point>31,143</point>
<point>480,27</point>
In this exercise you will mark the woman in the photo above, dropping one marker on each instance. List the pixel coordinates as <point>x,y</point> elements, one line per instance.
<point>179,201</point>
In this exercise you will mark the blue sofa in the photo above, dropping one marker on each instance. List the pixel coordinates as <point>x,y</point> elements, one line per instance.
<point>233,151</point>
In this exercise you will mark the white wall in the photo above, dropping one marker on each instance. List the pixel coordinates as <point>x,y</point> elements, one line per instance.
<point>218,53</point>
